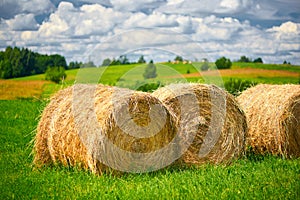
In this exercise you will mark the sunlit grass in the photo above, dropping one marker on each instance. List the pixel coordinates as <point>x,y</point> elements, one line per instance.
<point>293,68</point>
<point>252,177</point>
<point>249,178</point>
<point>131,76</point>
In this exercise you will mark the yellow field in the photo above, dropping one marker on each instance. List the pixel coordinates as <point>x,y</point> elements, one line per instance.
<point>247,73</point>
<point>10,89</point>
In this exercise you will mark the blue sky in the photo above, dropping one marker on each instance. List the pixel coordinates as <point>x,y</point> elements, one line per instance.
<point>159,29</point>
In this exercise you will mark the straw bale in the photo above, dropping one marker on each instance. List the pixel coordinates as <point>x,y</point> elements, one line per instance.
<point>273,116</point>
<point>103,128</point>
<point>210,123</point>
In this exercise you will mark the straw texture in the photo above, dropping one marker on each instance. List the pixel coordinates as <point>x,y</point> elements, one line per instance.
<point>101,128</point>
<point>273,115</point>
<point>210,122</point>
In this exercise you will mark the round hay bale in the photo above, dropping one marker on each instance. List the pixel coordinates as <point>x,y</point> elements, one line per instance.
<point>210,123</point>
<point>105,128</point>
<point>273,116</point>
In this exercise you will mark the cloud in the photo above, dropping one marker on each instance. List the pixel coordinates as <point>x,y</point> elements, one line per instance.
<point>22,22</point>
<point>57,24</point>
<point>274,45</point>
<point>213,28</point>
<point>286,28</point>
<point>10,8</point>
<point>69,30</point>
<point>286,37</point>
<point>228,6</point>
<point>36,6</point>
<point>96,19</point>
<point>79,3</point>
<point>146,6</point>
<point>187,24</point>
<point>68,21</point>
<point>141,20</point>
<point>199,8</point>
<point>204,7</point>
<point>279,10</point>
<point>261,12</point>
<point>208,28</point>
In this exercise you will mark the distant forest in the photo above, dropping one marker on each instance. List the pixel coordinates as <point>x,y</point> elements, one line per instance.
<point>16,62</point>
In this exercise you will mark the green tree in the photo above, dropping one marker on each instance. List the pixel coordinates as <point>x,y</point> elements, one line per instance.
<point>27,58</point>
<point>223,63</point>
<point>55,74</point>
<point>244,59</point>
<point>178,58</point>
<point>16,62</point>
<point>115,62</point>
<point>41,63</point>
<point>258,60</point>
<point>58,60</point>
<point>5,69</point>
<point>150,71</point>
<point>141,59</point>
<point>75,65</point>
<point>106,62</point>
<point>124,60</point>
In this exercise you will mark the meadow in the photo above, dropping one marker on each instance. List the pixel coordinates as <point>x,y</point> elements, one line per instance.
<point>251,177</point>
<point>130,76</point>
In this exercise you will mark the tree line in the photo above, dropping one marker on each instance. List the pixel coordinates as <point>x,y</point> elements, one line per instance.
<point>19,62</point>
<point>245,59</point>
<point>122,60</point>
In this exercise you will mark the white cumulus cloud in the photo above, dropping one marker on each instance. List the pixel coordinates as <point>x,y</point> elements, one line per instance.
<point>100,29</point>
<point>22,22</point>
<point>286,28</point>
<point>141,20</point>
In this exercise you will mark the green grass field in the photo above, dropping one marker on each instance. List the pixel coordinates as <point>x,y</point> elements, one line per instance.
<point>130,76</point>
<point>252,177</point>
<point>293,68</point>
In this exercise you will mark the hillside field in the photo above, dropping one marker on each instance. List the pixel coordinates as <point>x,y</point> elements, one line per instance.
<point>22,101</point>
<point>131,75</point>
